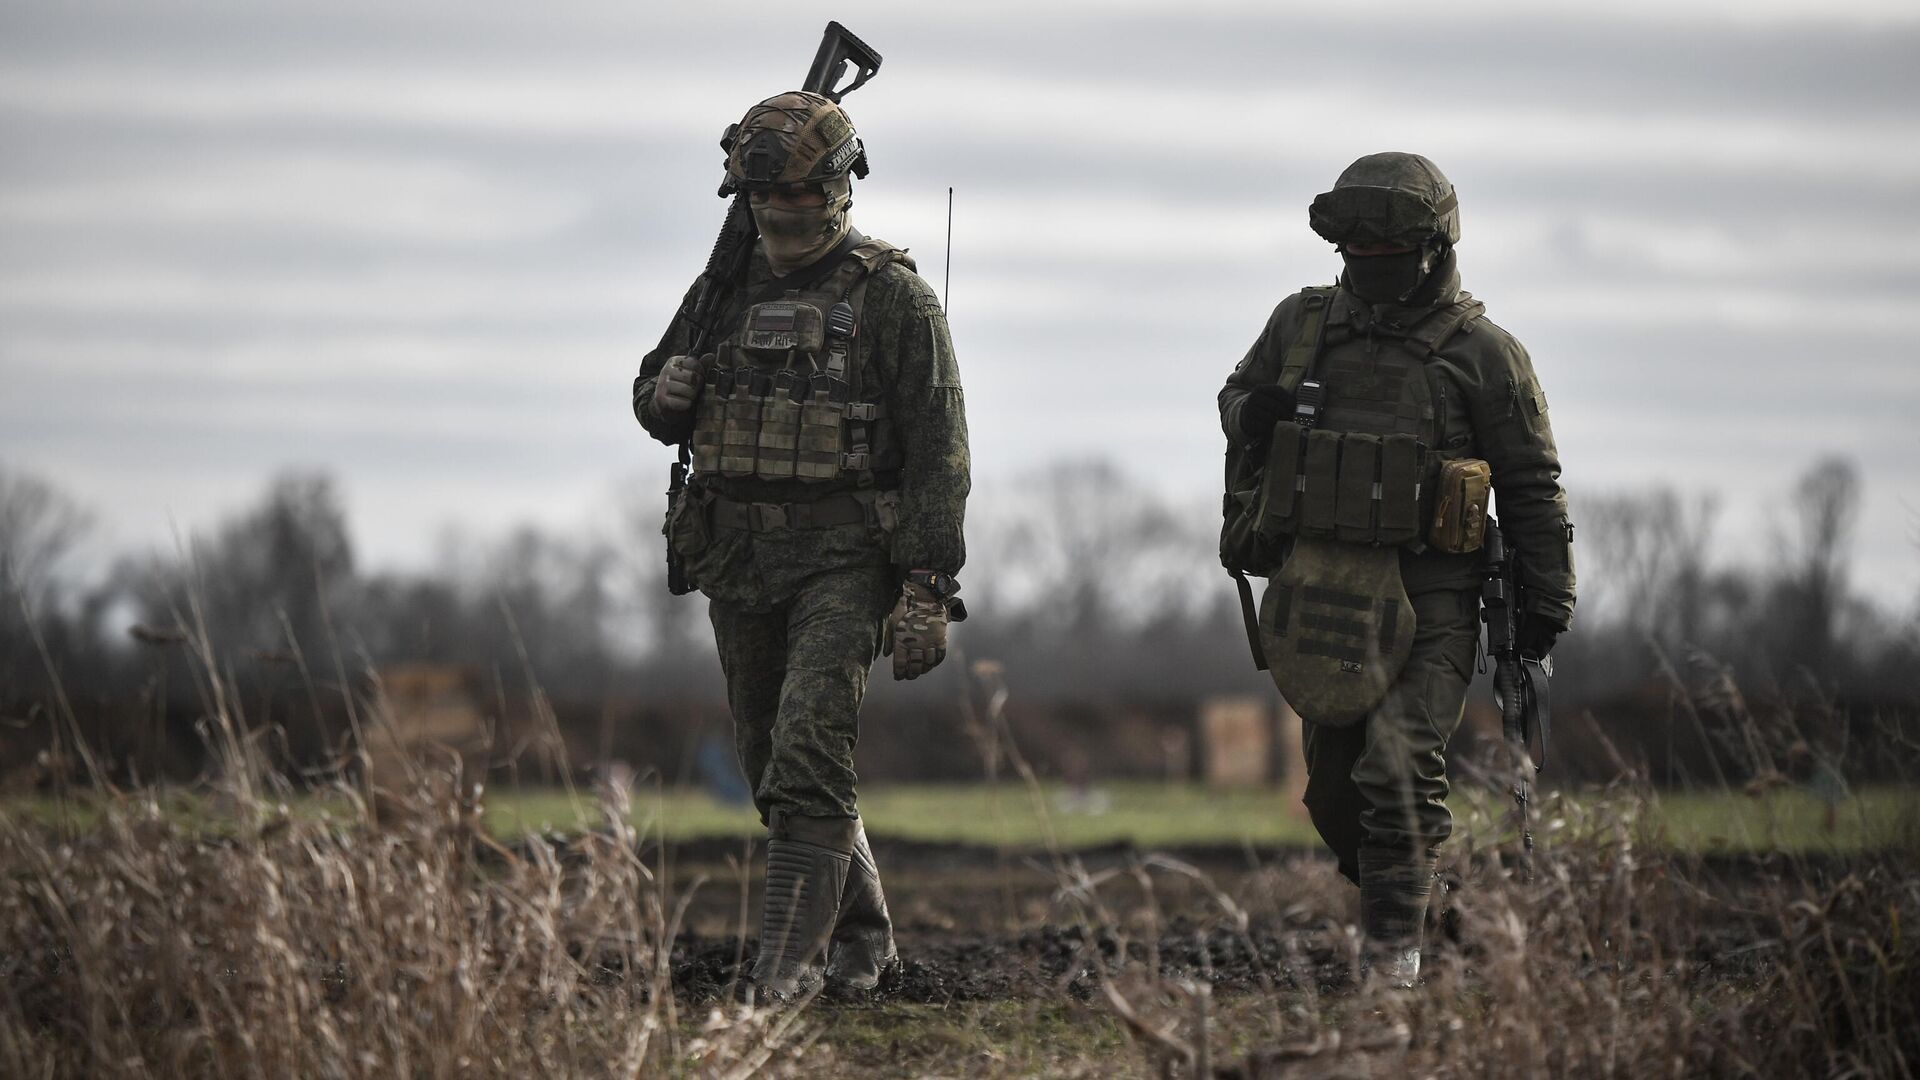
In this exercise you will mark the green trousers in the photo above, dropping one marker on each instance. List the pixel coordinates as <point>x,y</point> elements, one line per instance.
<point>1382,783</point>
<point>796,674</point>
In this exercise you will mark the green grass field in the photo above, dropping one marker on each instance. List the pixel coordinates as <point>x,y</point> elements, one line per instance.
<point>1161,815</point>
<point>1148,815</point>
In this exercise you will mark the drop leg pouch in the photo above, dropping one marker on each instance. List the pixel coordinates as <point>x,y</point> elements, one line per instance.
<point>1337,628</point>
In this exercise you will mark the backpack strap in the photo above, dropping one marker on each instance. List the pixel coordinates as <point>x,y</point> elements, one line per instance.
<point>1303,352</point>
<point>1296,366</point>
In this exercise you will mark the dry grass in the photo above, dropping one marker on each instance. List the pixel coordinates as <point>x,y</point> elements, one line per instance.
<point>1615,958</point>
<point>345,949</point>
<point>399,939</point>
<point>396,940</point>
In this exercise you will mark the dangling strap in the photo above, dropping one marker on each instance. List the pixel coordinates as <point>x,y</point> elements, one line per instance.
<point>1251,616</point>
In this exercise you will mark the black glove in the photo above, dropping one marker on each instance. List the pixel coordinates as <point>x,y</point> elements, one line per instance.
<point>1535,639</point>
<point>1263,407</point>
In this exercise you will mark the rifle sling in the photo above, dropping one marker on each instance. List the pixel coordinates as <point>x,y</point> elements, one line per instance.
<point>1251,616</point>
<point>1539,702</point>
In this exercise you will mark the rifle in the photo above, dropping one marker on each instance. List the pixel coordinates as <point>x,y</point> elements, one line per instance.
<point>727,263</point>
<point>1520,683</point>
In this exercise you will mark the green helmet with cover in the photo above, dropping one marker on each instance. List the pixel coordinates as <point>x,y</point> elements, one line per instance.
<point>790,140</point>
<point>1388,198</point>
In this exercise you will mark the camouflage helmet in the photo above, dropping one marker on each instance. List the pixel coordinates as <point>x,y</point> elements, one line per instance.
<point>1388,198</point>
<point>798,137</point>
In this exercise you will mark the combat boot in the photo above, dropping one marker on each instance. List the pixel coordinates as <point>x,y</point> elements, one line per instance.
<point>1394,887</point>
<point>863,941</point>
<point>807,864</point>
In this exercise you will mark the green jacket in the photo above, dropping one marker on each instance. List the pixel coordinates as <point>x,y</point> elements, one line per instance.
<point>1489,405</point>
<point>908,356</point>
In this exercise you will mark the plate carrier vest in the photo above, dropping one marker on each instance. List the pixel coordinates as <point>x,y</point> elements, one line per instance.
<point>1364,444</point>
<point>1351,472</point>
<point>784,399</point>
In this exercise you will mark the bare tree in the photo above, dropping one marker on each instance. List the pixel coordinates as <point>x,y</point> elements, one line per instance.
<point>1815,545</point>
<point>39,527</point>
<point>1645,562</point>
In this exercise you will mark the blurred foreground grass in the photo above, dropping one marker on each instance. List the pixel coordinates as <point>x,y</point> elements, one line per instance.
<point>1149,815</point>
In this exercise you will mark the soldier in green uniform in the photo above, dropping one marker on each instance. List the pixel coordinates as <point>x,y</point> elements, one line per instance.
<point>1378,411</point>
<point>823,519</point>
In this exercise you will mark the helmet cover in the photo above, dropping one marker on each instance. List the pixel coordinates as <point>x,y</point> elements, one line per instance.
<point>1388,198</point>
<point>792,139</point>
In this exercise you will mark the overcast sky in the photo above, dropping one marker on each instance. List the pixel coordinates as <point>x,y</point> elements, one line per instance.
<point>424,245</point>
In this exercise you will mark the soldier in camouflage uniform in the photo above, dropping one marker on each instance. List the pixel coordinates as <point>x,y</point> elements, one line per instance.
<point>1374,406</point>
<point>823,520</point>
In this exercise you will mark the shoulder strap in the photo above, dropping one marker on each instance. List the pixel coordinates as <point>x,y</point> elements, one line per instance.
<point>1438,328</point>
<point>872,254</point>
<point>1304,351</point>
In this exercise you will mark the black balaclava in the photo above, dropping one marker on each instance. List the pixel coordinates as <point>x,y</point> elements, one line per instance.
<point>1391,279</point>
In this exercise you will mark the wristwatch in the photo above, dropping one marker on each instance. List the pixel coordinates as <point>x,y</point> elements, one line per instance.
<point>937,582</point>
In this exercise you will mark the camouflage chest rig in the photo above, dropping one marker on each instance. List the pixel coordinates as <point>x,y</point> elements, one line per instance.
<point>785,399</point>
<point>1348,483</point>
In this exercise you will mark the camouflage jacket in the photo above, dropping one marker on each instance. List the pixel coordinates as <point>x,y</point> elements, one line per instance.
<point>1490,406</point>
<point>908,356</point>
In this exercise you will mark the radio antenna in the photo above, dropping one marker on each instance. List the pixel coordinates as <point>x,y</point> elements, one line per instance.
<point>946,287</point>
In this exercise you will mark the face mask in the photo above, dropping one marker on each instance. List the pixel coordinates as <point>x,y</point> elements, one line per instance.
<point>796,238</point>
<point>1385,279</point>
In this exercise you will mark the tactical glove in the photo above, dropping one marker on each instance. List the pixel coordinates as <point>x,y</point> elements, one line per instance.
<point>1535,640</point>
<point>916,632</point>
<point>677,386</point>
<point>1263,407</point>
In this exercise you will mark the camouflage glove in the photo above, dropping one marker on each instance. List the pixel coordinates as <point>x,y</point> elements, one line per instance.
<point>678,385</point>
<point>916,632</point>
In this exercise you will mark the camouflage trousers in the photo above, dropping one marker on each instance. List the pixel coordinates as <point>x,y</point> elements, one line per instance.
<point>1382,783</point>
<point>795,676</point>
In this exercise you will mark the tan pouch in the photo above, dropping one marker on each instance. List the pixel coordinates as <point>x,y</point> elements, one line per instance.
<point>1336,627</point>
<point>740,421</point>
<point>1460,506</point>
<point>780,426</point>
<point>819,443</point>
<point>710,415</point>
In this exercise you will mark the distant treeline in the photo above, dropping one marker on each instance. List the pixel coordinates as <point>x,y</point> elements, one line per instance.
<point>1100,601</point>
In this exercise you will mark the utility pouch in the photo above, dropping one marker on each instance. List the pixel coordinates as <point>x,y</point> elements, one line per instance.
<point>687,529</point>
<point>1460,506</point>
<point>1336,628</point>
<point>1280,484</point>
<point>780,426</point>
<point>883,513</point>
<point>818,456</point>
<point>1402,459</point>
<point>708,418</point>
<point>740,423</point>
<point>1319,480</point>
<point>1356,500</point>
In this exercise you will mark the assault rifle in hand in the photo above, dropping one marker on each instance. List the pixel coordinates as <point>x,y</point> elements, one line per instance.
<point>1520,683</point>
<point>727,264</point>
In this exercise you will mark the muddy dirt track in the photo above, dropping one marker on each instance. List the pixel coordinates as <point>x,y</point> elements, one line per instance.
<point>978,924</point>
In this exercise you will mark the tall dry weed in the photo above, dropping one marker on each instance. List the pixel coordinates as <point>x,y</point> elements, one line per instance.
<point>1614,957</point>
<point>363,942</point>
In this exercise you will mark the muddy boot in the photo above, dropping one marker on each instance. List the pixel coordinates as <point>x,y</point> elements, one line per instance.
<point>1394,886</point>
<point>863,941</point>
<point>807,860</point>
